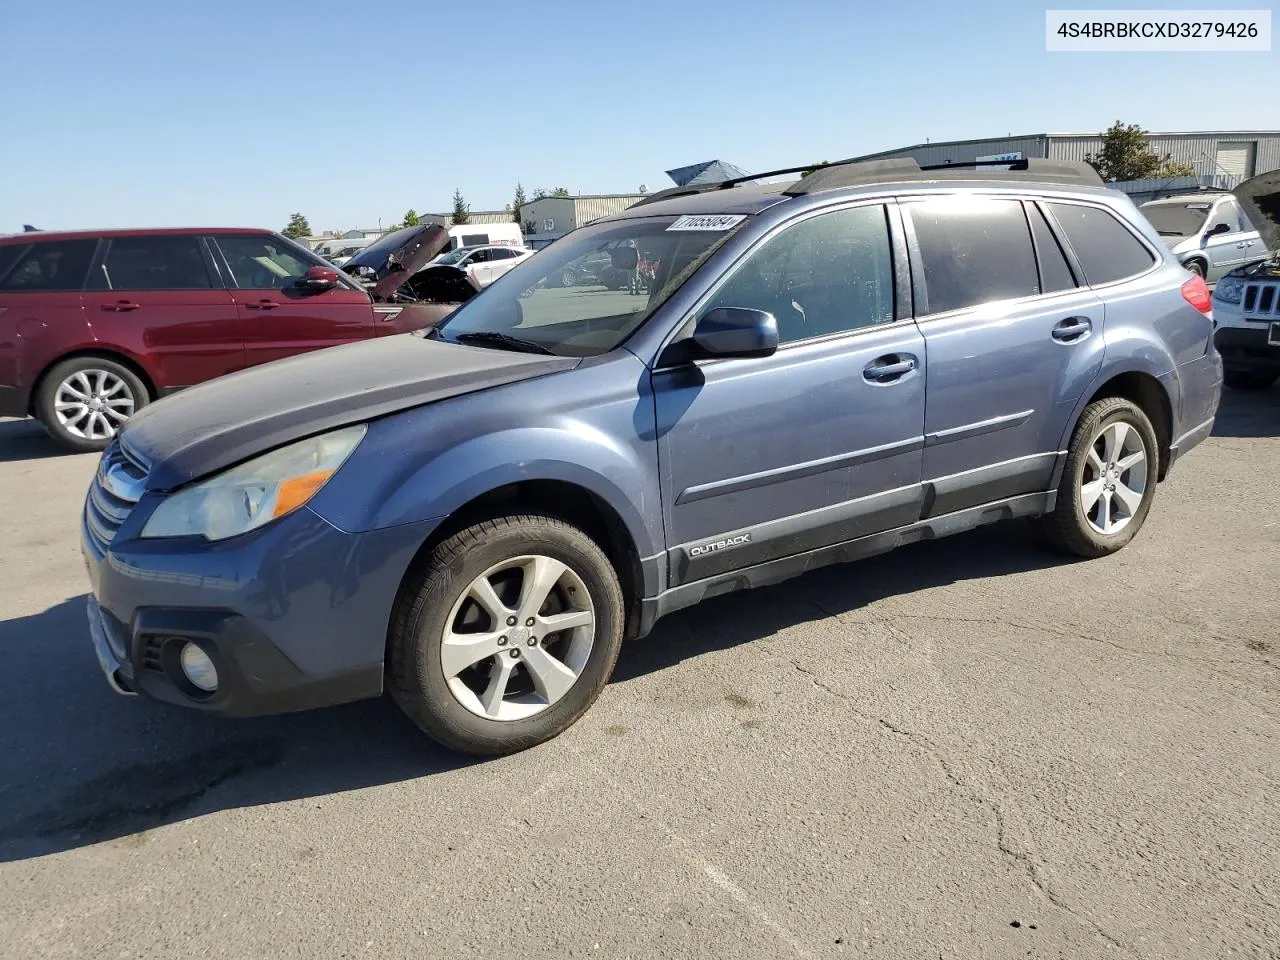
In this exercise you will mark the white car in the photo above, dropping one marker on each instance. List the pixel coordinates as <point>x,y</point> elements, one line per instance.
<point>484,264</point>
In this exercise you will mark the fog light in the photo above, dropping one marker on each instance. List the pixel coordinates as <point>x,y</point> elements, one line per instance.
<point>198,668</point>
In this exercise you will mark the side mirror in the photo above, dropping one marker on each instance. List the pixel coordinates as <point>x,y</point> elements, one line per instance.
<point>1218,228</point>
<point>317,279</point>
<point>727,332</point>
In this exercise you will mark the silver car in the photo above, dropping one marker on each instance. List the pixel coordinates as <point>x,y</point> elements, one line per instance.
<point>1207,232</point>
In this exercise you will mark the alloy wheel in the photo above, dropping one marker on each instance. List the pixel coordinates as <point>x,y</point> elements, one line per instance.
<point>518,638</point>
<point>93,404</point>
<point>1114,480</point>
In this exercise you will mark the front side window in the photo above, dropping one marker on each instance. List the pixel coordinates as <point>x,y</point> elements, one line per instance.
<point>586,293</point>
<point>260,262</point>
<point>973,250</point>
<point>152,263</point>
<point>59,265</point>
<point>1228,212</point>
<point>826,274</point>
<point>1107,251</point>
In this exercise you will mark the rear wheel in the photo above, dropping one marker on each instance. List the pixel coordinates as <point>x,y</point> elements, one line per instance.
<point>1249,379</point>
<point>1109,480</point>
<point>506,635</point>
<point>83,402</point>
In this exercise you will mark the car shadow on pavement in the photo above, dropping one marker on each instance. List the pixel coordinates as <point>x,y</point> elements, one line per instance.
<point>27,440</point>
<point>80,765</point>
<point>738,618</point>
<point>1248,413</point>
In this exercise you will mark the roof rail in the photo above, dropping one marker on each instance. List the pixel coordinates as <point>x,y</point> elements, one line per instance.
<point>1070,172</point>
<point>853,173</point>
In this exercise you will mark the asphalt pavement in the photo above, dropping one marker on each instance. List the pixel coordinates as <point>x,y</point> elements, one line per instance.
<point>968,748</point>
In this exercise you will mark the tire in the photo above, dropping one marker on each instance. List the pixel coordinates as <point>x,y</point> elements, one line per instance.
<point>1196,267</point>
<point>437,601</point>
<point>113,387</point>
<point>1074,528</point>
<point>1249,379</point>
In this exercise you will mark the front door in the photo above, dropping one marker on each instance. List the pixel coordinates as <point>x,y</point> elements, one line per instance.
<point>159,298</point>
<point>278,318</point>
<point>1238,245</point>
<point>764,458</point>
<point>1011,341</point>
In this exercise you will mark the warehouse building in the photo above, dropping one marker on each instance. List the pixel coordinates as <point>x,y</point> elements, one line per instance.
<point>1221,158</point>
<point>550,218</point>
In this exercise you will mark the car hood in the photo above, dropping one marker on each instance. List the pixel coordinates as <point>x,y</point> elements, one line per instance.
<point>396,257</point>
<point>1260,198</point>
<point>217,424</point>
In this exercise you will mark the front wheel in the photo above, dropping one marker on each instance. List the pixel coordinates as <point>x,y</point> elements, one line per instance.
<point>506,634</point>
<point>83,402</point>
<point>1109,480</point>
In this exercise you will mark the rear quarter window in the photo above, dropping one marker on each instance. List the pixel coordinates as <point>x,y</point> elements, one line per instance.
<point>54,265</point>
<point>1106,249</point>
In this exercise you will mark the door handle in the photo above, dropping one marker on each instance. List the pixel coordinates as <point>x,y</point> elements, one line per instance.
<point>888,369</point>
<point>121,306</point>
<point>262,304</point>
<point>1072,329</point>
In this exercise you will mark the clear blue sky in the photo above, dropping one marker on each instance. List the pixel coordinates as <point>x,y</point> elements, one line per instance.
<point>137,112</point>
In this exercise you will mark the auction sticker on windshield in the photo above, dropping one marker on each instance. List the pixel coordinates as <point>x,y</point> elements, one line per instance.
<point>708,222</point>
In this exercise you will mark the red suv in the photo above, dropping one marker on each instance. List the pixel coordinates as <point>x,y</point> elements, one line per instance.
<point>93,325</point>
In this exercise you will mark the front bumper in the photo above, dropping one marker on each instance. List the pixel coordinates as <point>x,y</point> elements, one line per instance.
<point>293,616</point>
<point>1246,348</point>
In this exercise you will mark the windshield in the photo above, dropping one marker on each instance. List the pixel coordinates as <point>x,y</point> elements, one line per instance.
<point>586,293</point>
<point>1177,219</point>
<point>455,256</point>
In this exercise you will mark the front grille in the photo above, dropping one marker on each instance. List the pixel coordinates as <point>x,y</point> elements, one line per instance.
<point>1261,300</point>
<point>116,487</point>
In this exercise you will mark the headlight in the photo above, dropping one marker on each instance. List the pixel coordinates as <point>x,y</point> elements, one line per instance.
<point>245,497</point>
<point>1229,290</point>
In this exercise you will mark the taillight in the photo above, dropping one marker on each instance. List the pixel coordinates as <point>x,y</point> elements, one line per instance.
<point>1196,293</point>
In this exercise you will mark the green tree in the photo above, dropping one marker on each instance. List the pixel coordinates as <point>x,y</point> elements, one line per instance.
<point>461,212</point>
<point>411,219</point>
<point>529,227</point>
<point>517,202</point>
<point>1126,154</point>
<point>560,192</point>
<point>297,227</point>
<point>539,193</point>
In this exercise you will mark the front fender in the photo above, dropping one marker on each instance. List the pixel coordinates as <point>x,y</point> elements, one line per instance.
<point>593,428</point>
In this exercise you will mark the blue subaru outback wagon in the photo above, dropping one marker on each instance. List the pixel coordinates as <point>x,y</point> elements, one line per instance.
<point>794,374</point>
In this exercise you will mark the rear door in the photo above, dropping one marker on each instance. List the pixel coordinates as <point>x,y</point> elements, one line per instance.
<point>160,299</point>
<point>278,318</point>
<point>501,260</point>
<point>1011,341</point>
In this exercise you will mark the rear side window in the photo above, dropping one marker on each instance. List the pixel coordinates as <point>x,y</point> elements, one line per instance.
<point>153,263</point>
<point>1054,273</point>
<point>1107,251</point>
<point>973,250</point>
<point>58,265</point>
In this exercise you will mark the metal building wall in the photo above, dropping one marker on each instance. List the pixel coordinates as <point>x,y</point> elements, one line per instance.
<point>587,209</point>
<point>1198,149</point>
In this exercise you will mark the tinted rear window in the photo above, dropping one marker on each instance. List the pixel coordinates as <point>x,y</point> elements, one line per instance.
<point>1106,249</point>
<point>56,265</point>
<point>973,250</point>
<point>1054,272</point>
<point>154,263</point>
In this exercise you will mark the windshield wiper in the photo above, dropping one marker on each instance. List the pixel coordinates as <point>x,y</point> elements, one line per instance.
<point>504,340</point>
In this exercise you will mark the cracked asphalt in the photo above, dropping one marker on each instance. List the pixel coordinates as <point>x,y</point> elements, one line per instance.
<point>968,748</point>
